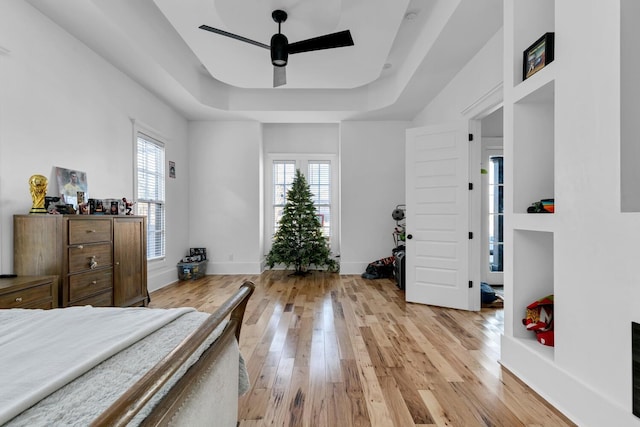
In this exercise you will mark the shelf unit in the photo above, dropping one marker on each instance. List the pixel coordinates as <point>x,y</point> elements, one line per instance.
<point>530,147</point>
<point>570,133</point>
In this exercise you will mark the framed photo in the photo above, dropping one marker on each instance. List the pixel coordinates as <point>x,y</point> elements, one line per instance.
<point>172,169</point>
<point>537,56</point>
<point>70,183</point>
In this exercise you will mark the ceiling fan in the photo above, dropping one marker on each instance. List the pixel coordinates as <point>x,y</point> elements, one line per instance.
<point>281,49</point>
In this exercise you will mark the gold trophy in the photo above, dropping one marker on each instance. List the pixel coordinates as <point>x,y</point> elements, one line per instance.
<point>38,186</point>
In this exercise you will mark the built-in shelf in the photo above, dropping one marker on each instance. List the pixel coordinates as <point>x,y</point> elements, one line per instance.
<point>537,88</point>
<point>531,20</point>
<point>545,222</point>
<point>534,146</point>
<point>533,274</point>
<point>533,345</point>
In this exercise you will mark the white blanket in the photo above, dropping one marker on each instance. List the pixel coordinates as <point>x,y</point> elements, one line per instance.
<point>68,343</point>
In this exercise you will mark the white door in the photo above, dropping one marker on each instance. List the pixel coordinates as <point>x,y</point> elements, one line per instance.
<point>437,217</point>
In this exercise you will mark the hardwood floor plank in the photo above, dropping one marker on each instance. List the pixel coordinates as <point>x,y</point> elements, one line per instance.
<point>338,350</point>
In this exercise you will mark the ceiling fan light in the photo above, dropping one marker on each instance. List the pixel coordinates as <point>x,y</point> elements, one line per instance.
<point>279,50</point>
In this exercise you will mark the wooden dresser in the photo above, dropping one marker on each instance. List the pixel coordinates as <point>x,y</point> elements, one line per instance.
<point>100,260</point>
<point>29,292</point>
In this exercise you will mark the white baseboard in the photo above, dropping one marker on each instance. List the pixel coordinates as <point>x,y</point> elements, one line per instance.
<point>353,267</point>
<point>580,402</point>
<point>234,268</point>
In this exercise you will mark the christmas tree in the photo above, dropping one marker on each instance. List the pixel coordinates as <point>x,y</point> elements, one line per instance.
<point>299,240</point>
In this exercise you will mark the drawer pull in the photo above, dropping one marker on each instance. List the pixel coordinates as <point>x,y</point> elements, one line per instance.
<point>93,282</point>
<point>80,247</point>
<point>19,299</point>
<point>93,263</point>
<point>91,231</point>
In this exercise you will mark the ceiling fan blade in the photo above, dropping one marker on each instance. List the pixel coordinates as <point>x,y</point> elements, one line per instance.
<point>328,41</point>
<point>234,36</point>
<point>279,76</point>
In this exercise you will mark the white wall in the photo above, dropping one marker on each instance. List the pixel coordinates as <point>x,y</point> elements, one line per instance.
<point>482,75</point>
<point>309,138</point>
<point>225,208</point>
<point>297,141</point>
<point>226,214</point>
<point>372,184</point>
<point>62,105</point>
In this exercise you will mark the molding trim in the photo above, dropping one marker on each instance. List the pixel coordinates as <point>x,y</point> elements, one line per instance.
<point>493,98</point>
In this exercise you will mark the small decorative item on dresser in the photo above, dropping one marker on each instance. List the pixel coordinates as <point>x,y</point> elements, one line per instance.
<point>538,55</point>
<point>38,188</point>
<point>128,206</point>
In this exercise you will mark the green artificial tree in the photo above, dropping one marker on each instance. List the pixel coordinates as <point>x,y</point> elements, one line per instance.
<point>299,240</point>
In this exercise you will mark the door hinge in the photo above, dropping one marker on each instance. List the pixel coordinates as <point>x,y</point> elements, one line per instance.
<point>470,137</point>
<point>471,186</point>
<point>470,284</point>
<point>471,235</point>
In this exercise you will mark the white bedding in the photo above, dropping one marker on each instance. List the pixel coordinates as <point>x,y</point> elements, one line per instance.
<point>68,343</point>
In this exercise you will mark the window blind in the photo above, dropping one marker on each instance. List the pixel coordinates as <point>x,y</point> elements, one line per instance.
<point>151,192</point>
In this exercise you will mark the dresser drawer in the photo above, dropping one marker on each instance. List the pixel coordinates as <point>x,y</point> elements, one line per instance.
<point>28,296</point>
<point>81,257</point>
<point>86,284</point>
<point>104,299</point>
<point>89,231</point>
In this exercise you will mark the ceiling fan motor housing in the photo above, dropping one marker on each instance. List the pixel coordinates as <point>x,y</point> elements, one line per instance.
<point>279,50</point>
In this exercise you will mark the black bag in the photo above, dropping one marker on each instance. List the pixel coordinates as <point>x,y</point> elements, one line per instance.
<point>380,269</point>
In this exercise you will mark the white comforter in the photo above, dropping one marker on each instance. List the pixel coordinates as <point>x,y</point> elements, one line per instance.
<point>68,342</point>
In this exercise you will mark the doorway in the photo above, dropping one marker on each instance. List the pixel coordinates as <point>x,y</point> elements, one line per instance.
<point>445,260</point>
<point>492,169</point>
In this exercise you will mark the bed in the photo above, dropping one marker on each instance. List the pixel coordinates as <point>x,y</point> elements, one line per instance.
<point>106,366</point>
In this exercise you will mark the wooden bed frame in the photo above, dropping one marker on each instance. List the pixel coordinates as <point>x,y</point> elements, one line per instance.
<point>122,411</point>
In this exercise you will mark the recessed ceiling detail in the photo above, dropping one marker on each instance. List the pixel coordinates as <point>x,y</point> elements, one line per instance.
<point>239,64</point>
<point>280,48</point>
<point>158,44</point>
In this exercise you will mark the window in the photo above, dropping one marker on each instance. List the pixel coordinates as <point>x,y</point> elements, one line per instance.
<point>283,173</point>
<point>319,179</point>
<point>496,213</point>
<point>150,192</point>
<point>322,180</point>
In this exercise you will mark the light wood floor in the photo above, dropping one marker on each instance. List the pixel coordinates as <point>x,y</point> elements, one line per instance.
<point>331,350</point>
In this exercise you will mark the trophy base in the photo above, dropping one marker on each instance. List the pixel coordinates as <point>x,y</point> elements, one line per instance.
<point>38,211</point>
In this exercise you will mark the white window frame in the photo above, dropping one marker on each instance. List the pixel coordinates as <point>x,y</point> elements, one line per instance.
<point>153,137</point>
<point>302,162</point>
<point>491,277</point>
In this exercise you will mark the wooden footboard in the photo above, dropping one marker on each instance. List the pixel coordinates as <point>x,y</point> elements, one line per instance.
<point>129,404</point>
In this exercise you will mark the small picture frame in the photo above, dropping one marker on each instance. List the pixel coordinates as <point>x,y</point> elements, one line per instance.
<point>114,207</point>
<point>538,55</point>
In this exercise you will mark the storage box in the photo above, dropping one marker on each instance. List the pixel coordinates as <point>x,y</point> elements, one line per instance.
<point>191,270</point>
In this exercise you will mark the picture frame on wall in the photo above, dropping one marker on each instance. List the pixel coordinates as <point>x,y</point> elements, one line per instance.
<point>538,55</point>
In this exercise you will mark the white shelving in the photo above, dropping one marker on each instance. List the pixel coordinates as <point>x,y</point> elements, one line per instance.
<point>533,276</point>
<point>530,129</point>
<point>570,133</point>
<point>533,144</point>
<point>533,222</point>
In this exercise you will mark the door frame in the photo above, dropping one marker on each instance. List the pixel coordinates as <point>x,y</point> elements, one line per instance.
<point>487,104</point>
